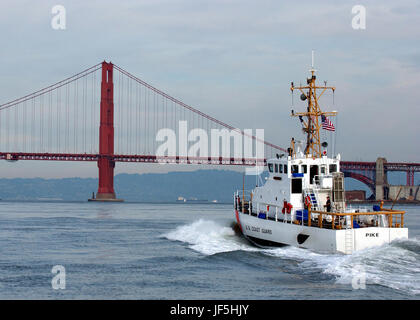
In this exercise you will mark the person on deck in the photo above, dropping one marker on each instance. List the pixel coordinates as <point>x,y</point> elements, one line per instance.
<point>328,204</point>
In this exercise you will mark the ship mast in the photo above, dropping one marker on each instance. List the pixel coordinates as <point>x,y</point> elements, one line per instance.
<point>313,114</point>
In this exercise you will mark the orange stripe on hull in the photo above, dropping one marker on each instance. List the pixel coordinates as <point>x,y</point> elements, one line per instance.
<point>237,219</point>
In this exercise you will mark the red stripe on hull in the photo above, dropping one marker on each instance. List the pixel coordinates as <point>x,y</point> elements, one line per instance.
<point>237,219</point>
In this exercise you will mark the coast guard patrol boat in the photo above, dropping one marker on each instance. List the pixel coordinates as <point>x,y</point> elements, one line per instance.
<point>302,202</point>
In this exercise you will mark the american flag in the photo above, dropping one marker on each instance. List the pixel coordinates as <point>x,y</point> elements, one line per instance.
<point>327,124</point>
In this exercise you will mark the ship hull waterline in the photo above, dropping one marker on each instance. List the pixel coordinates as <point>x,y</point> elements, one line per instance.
<point>264,232</point>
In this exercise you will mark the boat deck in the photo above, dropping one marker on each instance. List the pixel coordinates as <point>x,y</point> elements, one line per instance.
<point>332,220</point>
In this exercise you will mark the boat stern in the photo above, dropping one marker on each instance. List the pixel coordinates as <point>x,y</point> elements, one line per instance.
<point>350,240</point>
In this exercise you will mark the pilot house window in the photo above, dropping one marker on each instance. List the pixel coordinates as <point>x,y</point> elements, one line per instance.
<point>270,167</point>
<point>333,168</point>
<point>295,169</point>
<point>313,171</point>
<point>276,168</point>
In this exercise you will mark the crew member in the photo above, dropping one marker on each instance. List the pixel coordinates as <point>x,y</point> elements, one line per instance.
<point>328,204</point>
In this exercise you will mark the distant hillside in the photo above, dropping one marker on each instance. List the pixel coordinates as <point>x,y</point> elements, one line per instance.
<point>202,184</point>
<point>155,187</point>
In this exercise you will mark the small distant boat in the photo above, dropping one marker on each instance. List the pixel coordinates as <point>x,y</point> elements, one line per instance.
<point>303,203</point>
<point>191,200</point>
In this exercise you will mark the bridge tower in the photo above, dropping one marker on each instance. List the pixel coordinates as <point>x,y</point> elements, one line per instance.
<point>381,181</point>
<point>106,163</point>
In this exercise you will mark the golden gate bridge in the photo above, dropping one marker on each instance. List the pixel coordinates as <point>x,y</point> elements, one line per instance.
<point>107,115</point>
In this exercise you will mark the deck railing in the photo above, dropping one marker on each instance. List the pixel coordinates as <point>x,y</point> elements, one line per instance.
<point>395,218</point>
<point>324,219</point>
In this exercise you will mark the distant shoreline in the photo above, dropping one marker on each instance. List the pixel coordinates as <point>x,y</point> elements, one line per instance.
<point>140,202</point>
<point>413,202</point>
<point>364,202</point>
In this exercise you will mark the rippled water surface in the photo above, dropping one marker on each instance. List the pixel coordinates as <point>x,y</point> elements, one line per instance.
<point>182,251</point>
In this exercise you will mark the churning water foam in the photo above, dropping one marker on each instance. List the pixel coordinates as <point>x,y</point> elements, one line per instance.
<point>209,237</point>
<point>394,265</point>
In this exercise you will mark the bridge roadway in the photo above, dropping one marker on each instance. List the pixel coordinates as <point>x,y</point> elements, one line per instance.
<point>352,169</point>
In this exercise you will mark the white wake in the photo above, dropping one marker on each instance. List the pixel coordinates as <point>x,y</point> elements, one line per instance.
<point>209,237</point>
<point>395,265</point>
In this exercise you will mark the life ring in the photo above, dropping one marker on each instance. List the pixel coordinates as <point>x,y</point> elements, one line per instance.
<point>307,201</point>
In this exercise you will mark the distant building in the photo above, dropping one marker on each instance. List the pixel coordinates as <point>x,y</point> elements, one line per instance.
<point>354,195</point>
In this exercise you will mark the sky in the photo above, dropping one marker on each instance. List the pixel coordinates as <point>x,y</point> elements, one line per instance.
<point>233,60</point>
